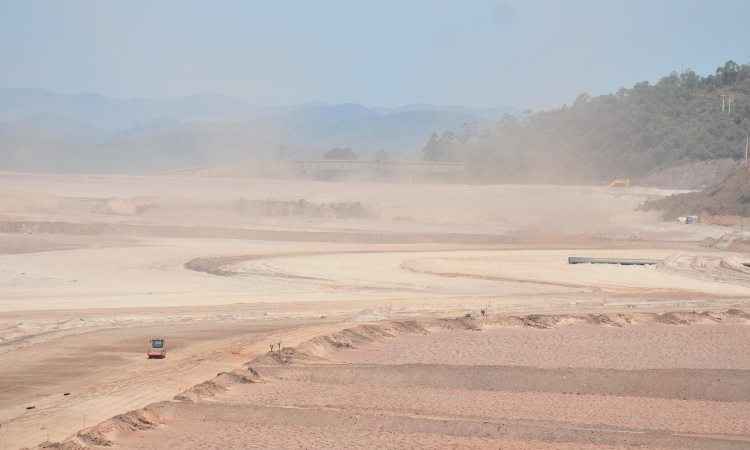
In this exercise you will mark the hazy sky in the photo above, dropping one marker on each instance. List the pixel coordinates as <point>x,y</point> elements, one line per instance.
<point>381,53</point>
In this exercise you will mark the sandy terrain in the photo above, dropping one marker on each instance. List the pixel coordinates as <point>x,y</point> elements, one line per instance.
<point>91,265</point>
<point>433,387</point>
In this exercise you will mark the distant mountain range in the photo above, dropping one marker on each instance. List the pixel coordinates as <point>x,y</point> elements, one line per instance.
<point>46,131</point>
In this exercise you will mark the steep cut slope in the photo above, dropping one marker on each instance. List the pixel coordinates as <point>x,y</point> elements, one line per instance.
<point>731,197</point>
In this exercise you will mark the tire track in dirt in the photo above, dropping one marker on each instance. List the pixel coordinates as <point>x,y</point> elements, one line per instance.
<point>219,266</point>
<point>722,269</point>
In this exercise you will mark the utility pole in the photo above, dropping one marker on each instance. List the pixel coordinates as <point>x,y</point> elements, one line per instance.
<point>747,148</point>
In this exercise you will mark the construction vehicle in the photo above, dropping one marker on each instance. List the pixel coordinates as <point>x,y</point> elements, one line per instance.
<point>620,182</point>
<point>688,220</point>
<point>157,348</point>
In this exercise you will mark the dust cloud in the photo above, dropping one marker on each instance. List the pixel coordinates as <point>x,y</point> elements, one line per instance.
<point>348,231</point>
<point>228,266</point>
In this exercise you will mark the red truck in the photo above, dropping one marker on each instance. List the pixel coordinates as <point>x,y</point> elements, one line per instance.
<point>157,348</point>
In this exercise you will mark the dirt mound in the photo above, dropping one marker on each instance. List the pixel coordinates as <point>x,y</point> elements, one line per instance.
<point>106,433</point>
<point>220,383</point>
<point>722,203</point>
<point>540,321</point>
<point>408,326</point>
<point>125,206</point>
<point>301,208</point>
<point>203,390</point>
<point>460,323</point>
<point>690,175</point>
<point>687,318</point>
<point>353,337</point>
<point>547,321</point>
<point>285,356</point>
<point>727,241</point>
<point>613,320</point>
<point>738,313</point>
<point>61,445</point>
<point>319,349</point>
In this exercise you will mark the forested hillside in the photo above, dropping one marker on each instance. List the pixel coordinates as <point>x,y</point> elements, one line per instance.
<point>632,132</point>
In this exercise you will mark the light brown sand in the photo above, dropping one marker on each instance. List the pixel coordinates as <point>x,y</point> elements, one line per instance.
<point>82,286</point>
<point>644,346</point>
<point>489,399</point>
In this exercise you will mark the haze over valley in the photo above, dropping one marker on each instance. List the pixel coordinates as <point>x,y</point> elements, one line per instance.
<point>425,224</point>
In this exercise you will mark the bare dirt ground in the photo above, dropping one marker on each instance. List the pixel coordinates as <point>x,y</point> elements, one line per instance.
<point>556,381</point>
<point>92,265</point>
